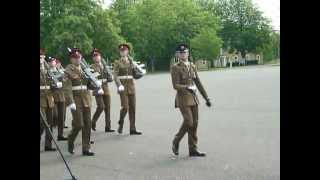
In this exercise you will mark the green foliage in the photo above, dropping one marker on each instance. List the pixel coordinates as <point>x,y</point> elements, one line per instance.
<point>78,23</point>
<point>206,45</point>
<point>153,28</point>
<point>243,27</point>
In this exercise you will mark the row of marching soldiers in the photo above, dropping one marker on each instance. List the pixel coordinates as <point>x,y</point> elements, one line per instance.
<point>71,87</point>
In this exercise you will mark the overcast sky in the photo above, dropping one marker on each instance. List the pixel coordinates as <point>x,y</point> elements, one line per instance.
<point>271,9</point>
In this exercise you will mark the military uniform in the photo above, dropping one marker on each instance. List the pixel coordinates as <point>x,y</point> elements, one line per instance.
<point>103,101</point>
<point>123,75</point>
<point>184,75</point>
<point>60,107</point>
<point>81,97</point>
<point>46,104</point>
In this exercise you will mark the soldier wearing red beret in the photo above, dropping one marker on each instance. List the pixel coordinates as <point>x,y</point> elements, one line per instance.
<point>102,100</point>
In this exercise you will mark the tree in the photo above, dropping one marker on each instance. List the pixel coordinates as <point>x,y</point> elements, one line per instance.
<point>78,23</point>
<point>206,45</point>
<point>155,27</point>
<point>271,49</point>
<point>243,26</point>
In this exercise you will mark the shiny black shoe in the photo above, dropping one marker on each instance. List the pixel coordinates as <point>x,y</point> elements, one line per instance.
<point>120,128</point>
<point>87,153</point>
<point>70,148</point>
<point>135,133</point>
<point>49,149</point>
<point>61,138</point>
<point>108,130</point>
<point>66,127</point>
<point>91,142</point>
<point>175,149</point>
<point>197,154</point>
<point>93,126</point>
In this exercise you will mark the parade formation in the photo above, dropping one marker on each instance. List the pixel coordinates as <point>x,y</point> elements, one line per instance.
<point>74,87</point>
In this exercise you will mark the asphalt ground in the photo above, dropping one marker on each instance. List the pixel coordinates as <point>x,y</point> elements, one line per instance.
<point>240,133</point>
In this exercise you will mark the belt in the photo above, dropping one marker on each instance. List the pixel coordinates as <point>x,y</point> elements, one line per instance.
<point>44,87</point>
<point>74,88</point>
<point>125,77</point>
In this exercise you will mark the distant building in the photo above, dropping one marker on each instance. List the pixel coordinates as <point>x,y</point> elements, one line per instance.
<point>226,58</point>
<point>203,64</point>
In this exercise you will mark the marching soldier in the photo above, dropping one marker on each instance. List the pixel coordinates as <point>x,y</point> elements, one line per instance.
<point>46,101</point>
<point>59,99</point>
<point>80,104</point>
<point>102,100</point>
<point>123,75</point>
<point>185,81</point>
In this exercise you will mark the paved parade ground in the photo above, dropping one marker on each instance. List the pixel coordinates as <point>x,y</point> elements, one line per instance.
<point>240,134</point>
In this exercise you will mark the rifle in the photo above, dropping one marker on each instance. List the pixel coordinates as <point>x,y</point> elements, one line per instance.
<point>55,78</point>
<point>94,83</point>
<point>107,70</point>
<point>138,70</point>
<point>87,72</point>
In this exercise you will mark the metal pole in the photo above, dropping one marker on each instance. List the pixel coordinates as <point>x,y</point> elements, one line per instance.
<point>44,120</point>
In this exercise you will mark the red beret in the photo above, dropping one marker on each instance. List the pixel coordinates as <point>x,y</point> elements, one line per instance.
<point>95,52</point>
<point>124,46</point>
<point>75,53</point>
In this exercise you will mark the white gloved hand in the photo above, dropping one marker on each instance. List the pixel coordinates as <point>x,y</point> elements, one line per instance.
<point>100,91</point>
<point>73,106</point>
<point>121,88</point>
<point>59,84</point>
<point>193,88</point>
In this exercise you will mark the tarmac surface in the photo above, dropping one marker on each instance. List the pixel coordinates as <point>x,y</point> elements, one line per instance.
<point>240,133</point>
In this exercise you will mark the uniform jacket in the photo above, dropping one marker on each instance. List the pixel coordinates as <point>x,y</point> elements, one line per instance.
<point>99,69</point>
<point>122,68</point>
<point>182,77</point>
<point>58,94</point>
<point>81,98</point>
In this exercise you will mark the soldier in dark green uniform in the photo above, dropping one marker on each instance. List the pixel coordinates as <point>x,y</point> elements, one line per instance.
<point>80,98</point>
<point>46,102</point>
<point>123,76</point>
<point>185,81</point>
<point>102,100</point>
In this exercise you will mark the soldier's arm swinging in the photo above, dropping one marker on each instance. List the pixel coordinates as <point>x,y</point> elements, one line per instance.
<point>201,88</point>
<point>199,85</point>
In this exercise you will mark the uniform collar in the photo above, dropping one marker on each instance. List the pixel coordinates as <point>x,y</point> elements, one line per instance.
<point>187,63</point>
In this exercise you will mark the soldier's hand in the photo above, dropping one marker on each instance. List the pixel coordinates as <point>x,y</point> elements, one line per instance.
<point>100,91</point>
<point>208,102</point>
<point>192,88</point>
<point>120,88</point>
<point>59,84</point>
<point>73,106</point>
